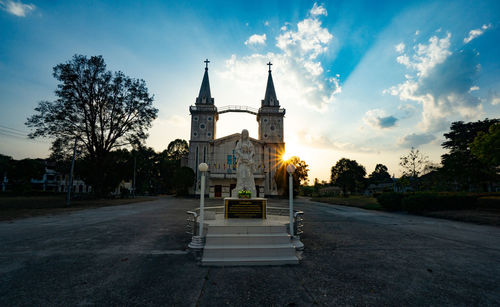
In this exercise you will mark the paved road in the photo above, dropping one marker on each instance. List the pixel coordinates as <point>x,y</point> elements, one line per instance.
<point>135,255</point>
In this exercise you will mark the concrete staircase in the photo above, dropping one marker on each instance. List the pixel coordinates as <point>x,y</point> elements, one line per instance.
<point>248,245</point>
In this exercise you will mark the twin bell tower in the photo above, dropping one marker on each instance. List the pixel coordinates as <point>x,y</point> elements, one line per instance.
<point>218,153</point>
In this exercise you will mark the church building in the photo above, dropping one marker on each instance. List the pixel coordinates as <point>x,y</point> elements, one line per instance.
<point>218,153</point>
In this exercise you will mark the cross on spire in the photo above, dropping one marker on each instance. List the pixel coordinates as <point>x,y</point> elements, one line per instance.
<point>269,64</point>
<point>206,63</point>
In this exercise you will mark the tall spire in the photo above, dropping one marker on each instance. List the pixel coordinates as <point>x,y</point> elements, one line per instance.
<point>270,99</point>
<point>204,97</point>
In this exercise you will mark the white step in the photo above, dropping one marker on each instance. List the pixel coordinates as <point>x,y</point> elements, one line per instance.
<point>248,239</point>
<point>248,242</point>
<point>236,251</point>
<point>249,261</point>
<point>213,229</point>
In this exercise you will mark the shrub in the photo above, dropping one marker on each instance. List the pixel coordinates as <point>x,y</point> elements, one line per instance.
<point>306,191</point>
<point>390,201</point>
<point>489,202</point>
<point>420,202</point>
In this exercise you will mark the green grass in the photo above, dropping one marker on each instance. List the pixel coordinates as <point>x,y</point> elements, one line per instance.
<point>364,202</point>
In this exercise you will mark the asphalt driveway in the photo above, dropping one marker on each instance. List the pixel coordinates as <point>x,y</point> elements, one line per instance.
<point>135,255</point>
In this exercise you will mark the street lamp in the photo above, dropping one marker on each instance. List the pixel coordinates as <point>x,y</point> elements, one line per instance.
<point>290,168</point>
<point>197,242</point>
<point>203,167</point>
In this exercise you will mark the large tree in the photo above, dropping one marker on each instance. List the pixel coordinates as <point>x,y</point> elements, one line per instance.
<point>464,169</point>
<point>486,146</point>
<point>177,149</point>
<point>99,109</point>
<point>379,175</point>
<point>348,174</point>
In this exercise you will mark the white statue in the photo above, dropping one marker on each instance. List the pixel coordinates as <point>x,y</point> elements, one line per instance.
<point>244,152</point>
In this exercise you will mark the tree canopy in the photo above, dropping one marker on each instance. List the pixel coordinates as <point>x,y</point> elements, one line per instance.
<point>486,146</point>
<point>379,175</point>
<point>460,165</point>
<point>348,174</point>
<point>102,110</point>
<point>177,149</point>
<point>20,172</point>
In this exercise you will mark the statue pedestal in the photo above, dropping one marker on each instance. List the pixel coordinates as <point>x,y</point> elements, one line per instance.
<point>245,208</point>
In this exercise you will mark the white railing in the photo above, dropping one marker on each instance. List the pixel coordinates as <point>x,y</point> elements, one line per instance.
<point>192,220</point>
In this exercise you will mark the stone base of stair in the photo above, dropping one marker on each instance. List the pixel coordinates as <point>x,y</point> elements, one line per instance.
<point>231,242</point>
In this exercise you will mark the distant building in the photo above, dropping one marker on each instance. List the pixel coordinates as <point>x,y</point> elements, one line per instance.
<point>380,187</point>
<point>330,191</point>
<point>53,181</point>
<point>218,153</point>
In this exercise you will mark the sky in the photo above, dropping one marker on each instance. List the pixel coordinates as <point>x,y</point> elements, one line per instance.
<point>364,80</point>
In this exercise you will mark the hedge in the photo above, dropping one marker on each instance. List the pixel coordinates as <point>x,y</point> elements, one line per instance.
<point>390,201</point>
<point>426,201</point>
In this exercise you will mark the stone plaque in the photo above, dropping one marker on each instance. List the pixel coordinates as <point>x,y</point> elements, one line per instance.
<point>245,208</point>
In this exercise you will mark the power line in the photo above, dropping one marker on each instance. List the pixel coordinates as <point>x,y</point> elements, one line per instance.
<point>7,133</point>
<point>20,137</point>
<point>13,129</point>
<point>18,134</point>
<point>13,132</point>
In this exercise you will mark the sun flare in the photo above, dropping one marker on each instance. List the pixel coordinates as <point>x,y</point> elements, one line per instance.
<point>286,156</point>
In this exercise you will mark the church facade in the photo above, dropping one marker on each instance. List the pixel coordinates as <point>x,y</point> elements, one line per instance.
<point>218,153</point>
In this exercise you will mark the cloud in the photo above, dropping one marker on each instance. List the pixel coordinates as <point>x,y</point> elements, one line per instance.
<point>494,98</point>
<point>441,81</point>
<point>256,40</point>
<point>318,10</point>
<point>177,121</point>
<point>310,39</point>
<point>400,47</point>
<point>298,74</point>
<point>378,119</point>
<point>416,140</point>
<point>313,139</point>
<point>406,111</point>
<point>476,33</point>
<point>16,8</point>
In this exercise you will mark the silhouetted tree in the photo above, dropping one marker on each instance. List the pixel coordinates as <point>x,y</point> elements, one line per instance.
<point>486,146</point>
<point>177,149</point>
<point>464,169</point>
<point>348,174</point>
<point>379,175</point>
<point>5,161</point>
<point>184,178</point>
<point>147,170</point>
<point>413,163</point>
<point>20,173</point>
<point>102,110</point>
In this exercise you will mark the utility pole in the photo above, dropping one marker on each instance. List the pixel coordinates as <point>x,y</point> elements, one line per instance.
<point>70,181</point>
<point>133,181</point>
